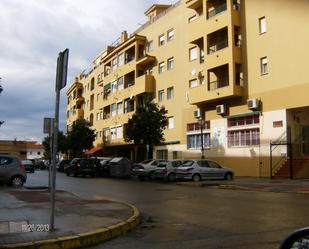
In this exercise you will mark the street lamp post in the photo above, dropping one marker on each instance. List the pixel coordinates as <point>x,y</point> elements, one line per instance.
<point>201,121</point>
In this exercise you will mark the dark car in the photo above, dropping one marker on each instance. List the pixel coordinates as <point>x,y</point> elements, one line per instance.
<point>29,165</point>
<point>62,165</point>
<point>83,166</point>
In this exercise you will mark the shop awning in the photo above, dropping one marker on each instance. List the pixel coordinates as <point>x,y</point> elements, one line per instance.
<point>93,150</point>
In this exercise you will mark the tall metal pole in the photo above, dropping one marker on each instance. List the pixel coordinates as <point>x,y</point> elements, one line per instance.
<point>50,152</point>
<point>202,139</point>
<point>61,77</point>
<point>55,147</point>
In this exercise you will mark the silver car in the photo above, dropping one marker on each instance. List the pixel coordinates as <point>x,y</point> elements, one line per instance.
<point>197,170</point>
<point>146,168</point>
<point>12,171</point>
<point>167,170</point>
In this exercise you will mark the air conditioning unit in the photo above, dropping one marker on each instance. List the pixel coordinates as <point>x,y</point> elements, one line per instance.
<point>197,113</point>
<point>220,109</point>
<point>253,104</point>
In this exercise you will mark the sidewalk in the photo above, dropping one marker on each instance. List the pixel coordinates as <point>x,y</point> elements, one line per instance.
<point>268,185</point>
<point>256,184</point>
<point>25,214</point>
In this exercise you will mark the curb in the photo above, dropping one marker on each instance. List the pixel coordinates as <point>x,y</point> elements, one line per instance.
<point>197,184</point>
<point>232,187</point>
<point>83,239</point>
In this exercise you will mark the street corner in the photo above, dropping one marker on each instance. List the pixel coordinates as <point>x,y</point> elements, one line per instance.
<point>105,220</point>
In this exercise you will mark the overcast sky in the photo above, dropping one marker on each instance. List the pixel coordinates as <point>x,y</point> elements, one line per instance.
<point>32,33</point>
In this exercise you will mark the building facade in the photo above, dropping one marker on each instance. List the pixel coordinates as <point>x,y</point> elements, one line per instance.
<point>231,73</point>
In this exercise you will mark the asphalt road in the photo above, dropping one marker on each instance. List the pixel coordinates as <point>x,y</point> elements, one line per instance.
<point>181,217</point>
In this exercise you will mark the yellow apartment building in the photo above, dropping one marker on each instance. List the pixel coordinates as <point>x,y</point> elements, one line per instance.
<point>237,69</point>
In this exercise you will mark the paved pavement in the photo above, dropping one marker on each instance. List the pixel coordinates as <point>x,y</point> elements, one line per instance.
<point>268,185</point>
<point>25,216</point>
<point>256,184</point>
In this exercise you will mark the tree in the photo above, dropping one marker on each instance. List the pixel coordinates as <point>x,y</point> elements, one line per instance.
<point>80,138</point>
<point>146,126</point>
<point>62,144</point>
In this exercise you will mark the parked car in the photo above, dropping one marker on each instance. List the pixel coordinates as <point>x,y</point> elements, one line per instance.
<point>29,165</point>
<point>197,170</point>
<point>146,168</point>
<point>167,170</point>
<point>83,166</point>
<point>62,165</point>
<point>12,172</point>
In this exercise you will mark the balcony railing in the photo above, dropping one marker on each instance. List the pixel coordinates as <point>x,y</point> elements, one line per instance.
<point>218,46</point>
<point>213,85</point>
<point>217,10</point>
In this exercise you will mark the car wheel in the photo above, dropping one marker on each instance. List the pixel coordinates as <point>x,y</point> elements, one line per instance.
<point>17,181</point>
<point>196,178</point>
<point>171,177</point>
<point>228,176</point>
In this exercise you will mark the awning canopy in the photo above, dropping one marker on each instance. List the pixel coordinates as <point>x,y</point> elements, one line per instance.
<point>93,150</point>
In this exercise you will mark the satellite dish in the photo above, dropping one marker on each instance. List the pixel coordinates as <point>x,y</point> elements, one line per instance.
<point>193,72</point>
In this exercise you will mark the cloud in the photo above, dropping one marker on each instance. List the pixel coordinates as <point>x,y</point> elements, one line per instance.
<point>33,32</point>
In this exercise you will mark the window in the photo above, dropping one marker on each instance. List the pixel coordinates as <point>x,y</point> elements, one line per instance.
<point>262,25</point>
<point>128,105</point>
<point>277,124</point>
<point>161,67</point>
<point>244,120</point>
<point>193,53</point>
<point>150,46</point>
<point>113,133</point>
<point>114,63</point>
<point>170,63</point>
<point>98,116</point>
<point>119,108</point>
<point>120,59</point>
<point>161,40</point>
<point>191,127</point>
<point>193,83</point>
<point>120,84</point>
<point>161,95</point>
<point>92,84</point>
<point>240,138</point>
<point>119,132</point>
<point>114,109</point>
<point>170,93</point>
<point>162,154</point>
<point>114,86</point>
<point>264,65</point>
<point>170,122</point>
<point>170,35</point>
<point>194,141</point>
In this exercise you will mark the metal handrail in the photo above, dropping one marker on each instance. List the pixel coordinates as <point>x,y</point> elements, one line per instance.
<point>213,85</point>
<point>217,10</point>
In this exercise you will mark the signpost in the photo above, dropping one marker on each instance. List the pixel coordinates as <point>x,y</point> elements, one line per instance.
<point>48,129</point>
<point>61,79</point>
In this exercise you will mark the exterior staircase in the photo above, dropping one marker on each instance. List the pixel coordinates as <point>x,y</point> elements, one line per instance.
<point>298,164</point>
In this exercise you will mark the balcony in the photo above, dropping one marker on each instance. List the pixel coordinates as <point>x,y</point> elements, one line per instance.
<point>194,4</point>
<point>201,94</point>
<point>146,60</point>
<point>217,40</point>
<point>215,7</point>
<point>219,85</point>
